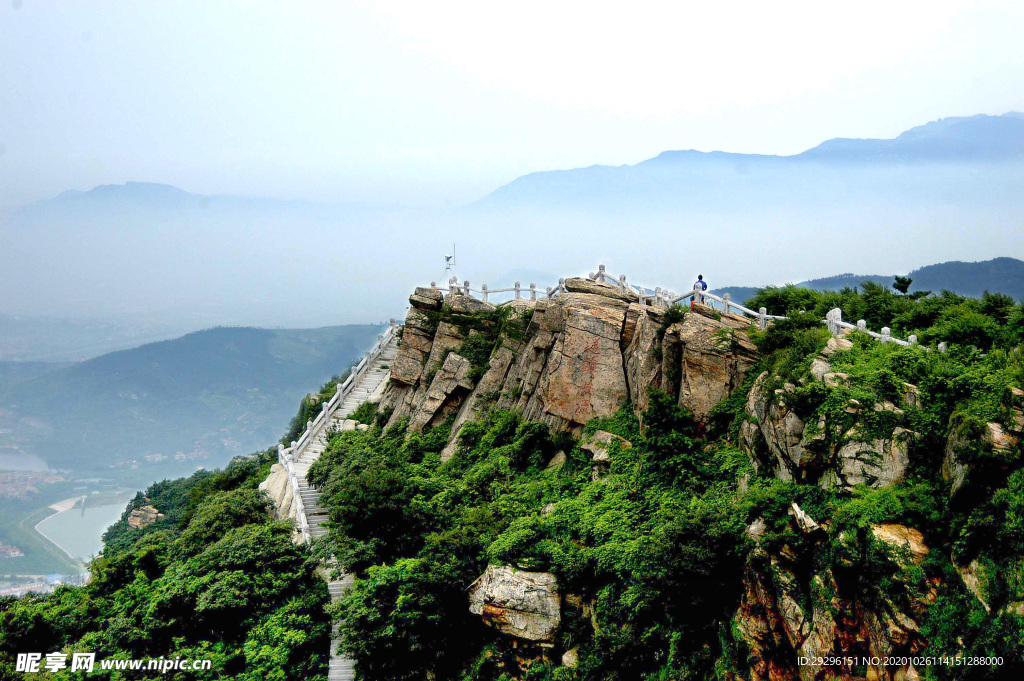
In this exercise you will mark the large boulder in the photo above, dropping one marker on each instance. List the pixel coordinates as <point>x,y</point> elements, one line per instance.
<point>517,602</point>
<point>144,516</point>
<point>426,298</point>
<point>459,304</point>
<point>599,288</point>
<point>279,489</point>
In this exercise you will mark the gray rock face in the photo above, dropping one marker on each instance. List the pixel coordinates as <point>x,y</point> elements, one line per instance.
<point>955,468</point>
<point>518,603</point>
<point>877,463</point>
<point>775,437</point>
<point>466,304</point>
<point>451,377</point>
<point>417,340</point>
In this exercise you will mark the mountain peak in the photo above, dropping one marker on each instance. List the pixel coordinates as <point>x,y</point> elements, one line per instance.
<point>960,138</point>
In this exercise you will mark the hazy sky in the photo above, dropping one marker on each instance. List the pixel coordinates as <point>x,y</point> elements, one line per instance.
<point>440,102</point>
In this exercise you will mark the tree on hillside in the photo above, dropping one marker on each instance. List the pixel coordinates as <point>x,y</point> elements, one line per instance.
<point>902,284</point>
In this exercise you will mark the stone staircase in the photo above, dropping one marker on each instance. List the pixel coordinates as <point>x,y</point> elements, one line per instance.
<point>367,383</point>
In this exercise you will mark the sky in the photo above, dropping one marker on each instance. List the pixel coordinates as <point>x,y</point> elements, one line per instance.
<point>436,104</point>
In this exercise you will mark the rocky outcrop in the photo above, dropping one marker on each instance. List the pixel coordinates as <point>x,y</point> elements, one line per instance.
<point>599,444</point>
<point>962,448</point>
<point>787,614</point>
<point>144,516</point>
<point>840,453</point>
<point>564,360</point>
<point>279,490</point>
<point>715,355</point>
<point>518,603</point>
<point>453,376</point>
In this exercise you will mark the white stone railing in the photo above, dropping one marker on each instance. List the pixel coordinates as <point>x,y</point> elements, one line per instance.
<point>287,456</point>
<point>665,298</point>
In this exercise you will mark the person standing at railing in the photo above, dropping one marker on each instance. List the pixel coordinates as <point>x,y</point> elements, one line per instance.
<point>699,285</point>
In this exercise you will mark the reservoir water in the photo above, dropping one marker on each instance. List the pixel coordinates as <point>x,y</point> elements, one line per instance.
<point>81,534</point>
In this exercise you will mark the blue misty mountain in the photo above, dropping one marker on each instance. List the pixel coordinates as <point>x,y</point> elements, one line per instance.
<point>999,275</point>
<point>923,163</point>
<point>211,394</point>
<point>971,139</point>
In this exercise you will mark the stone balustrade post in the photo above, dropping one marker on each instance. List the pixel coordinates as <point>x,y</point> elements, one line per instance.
<point>601,276</point>
<point>943,347</point>
<point>309,424</point>
<point>862,325</point>
<point>657,296</point>
<point>561,285</point>
<point>280,453</point>
<point>465,289</point>
<point>886,334</point>
<point>551,291</point>
<point>483,291</point>
<point>726,300</point>
<point>912,339</point>
<point>453,285</point>
<point>533,291</point>
<point>433,284</point>
<point>622,282</point>
<point>518,290</point>
<point>762,318</point>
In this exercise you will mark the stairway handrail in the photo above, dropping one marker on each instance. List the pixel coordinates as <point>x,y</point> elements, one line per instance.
<point>665,298</point>
<point>287,455</point>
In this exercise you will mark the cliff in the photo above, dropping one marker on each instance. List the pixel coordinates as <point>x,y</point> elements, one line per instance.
<point>562,360</point>
<point>590,487</point>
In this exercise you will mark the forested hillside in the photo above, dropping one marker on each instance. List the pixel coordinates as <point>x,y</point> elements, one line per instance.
<point>843,497</point>
<point>215,578</point>
<point>999,275</point>
<point>850,497</point>
<point>194,400</point>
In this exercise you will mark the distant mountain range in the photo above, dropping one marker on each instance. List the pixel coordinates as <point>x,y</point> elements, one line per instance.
<point>161,261</point>
<point>680,177</point>
<point>999,275</point>
<point>209,395</point>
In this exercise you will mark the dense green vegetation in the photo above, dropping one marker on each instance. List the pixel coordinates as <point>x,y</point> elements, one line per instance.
<point>651,554</point>
<point>215,579</point>
<point>999,275</point>
<point>655,551</point>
